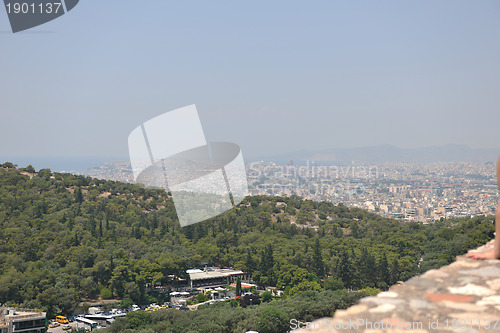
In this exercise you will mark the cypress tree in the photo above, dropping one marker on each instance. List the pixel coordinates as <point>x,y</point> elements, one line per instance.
<point>78,195</point>
<point>395,271</point>
<point>346,270</point>
<point>267,260</point>
<point>318,264</point>
<point>383,270</point>
<point>249,263</point>
<point>238,287</point>
<point>92,225</point>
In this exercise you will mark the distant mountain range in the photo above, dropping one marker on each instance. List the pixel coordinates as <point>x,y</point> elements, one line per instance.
<point>389,153</point>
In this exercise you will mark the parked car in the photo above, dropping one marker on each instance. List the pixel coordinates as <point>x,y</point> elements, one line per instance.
<point>54,324</point>
<point>66,327</point>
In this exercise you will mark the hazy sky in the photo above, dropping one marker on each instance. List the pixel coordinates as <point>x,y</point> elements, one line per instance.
<point>272,76</point>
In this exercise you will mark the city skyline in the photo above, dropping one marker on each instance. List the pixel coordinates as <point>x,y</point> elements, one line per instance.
<point>423,192</point>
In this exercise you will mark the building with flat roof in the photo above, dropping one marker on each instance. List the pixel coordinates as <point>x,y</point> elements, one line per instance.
<point>16,321</point>
<point>215,277</point>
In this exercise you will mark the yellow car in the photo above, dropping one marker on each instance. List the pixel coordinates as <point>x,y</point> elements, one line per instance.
<point>66,327</point>
<point>54,324</point>
<point>164,306</point>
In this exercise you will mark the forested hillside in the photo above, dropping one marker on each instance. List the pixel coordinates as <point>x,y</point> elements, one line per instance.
<point>65,239</point>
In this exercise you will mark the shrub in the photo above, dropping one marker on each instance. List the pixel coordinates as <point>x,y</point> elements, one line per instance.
<point>106,293</point>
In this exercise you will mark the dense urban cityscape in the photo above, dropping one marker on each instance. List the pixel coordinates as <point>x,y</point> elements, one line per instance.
<point>409,191</point>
